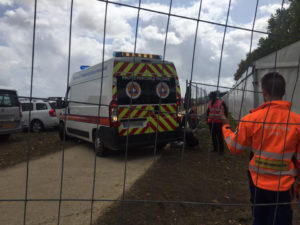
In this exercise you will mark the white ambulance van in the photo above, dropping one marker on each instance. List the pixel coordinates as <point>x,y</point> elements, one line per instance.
<point>140,96</point>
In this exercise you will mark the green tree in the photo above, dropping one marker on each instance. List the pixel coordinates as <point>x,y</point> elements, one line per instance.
<point>283,29</point>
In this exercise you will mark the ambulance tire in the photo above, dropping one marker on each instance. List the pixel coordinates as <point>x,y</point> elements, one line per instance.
<point>160,147</point>
<point>99,148</point>
<point>193,123</point>
<point>61,130</point>
<point>4,137</point>
<point>190,139</point>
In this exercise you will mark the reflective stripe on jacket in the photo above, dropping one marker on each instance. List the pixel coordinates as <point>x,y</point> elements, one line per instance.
<point>273,135</point>
<point>215,112</point>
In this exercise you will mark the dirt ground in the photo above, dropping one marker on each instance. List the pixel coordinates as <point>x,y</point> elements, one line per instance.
<point>171,191</point>
<point>44,181</point>
<point>14,150</point>
<point>174,189</point>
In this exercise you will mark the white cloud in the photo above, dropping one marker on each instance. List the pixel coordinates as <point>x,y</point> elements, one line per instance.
<point>269,9</point>
<point>161,7</point>
<point>89,19</point>
<point>52,40</point>
<point>215,11</point>
<point>6,2</point>
<point>152,32</point>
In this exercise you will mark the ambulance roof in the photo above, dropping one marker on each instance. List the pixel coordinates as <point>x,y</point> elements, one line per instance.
<point>94,72</point>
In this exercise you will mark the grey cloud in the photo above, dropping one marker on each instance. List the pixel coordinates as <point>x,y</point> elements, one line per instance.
<point>18,18</point>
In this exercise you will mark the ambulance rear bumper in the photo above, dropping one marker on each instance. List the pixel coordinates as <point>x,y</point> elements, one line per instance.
<point>113,141</point>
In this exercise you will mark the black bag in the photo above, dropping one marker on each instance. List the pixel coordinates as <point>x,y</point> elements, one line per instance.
<point>190,139</point>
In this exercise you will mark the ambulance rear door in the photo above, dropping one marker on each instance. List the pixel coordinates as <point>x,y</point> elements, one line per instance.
<point>147,94</point>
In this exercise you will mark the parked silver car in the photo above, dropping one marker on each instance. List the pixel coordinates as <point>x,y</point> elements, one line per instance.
<point>10,113</point>
<point>43,115</point>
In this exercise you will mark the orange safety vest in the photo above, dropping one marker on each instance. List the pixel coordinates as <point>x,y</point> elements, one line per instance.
<point>193,112</point>
<point>273,134</point>
<point>215,112</point>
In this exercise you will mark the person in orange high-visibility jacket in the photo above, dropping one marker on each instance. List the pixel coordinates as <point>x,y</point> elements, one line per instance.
<point>272,132</point>
<point>216,108</point>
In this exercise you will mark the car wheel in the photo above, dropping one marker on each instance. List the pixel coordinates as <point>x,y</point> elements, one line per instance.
<point>4,137</point>
<point>36,126</point>
<point>62,132</point>
<point>99,148</point>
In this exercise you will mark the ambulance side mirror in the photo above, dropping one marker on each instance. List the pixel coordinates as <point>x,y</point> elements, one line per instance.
<point>66,103</point>
<point>67,97</point>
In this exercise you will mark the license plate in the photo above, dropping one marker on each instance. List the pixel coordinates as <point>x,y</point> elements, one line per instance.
<point>133,124</point>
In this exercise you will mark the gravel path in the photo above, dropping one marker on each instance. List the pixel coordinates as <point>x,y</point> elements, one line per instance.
<point>44,183</point>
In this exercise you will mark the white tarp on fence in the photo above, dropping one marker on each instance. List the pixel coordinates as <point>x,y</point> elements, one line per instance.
<point>286,62</point>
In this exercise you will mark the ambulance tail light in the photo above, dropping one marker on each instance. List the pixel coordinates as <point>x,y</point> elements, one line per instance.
<point>179,114</point>
<point>52,113</point>
<point>113,114</point>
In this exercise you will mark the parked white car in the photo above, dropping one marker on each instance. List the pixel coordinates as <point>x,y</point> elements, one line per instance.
<point>43,115</point>
<point>59,106</point>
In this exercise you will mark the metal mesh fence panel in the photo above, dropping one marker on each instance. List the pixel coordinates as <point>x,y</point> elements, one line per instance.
<point>179,206</point>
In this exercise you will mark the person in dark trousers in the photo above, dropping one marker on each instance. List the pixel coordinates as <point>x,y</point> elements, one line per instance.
<point>193,118</point>
<point>216,108</point>
<point>272,134</point>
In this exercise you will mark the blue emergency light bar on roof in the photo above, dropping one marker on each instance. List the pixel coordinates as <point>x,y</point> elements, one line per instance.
<point>84,67</point>
<point>139,55</point>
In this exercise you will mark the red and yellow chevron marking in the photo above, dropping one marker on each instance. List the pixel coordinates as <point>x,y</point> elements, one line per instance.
<point>163,122</point>
<point>178,92</point>
<point>114,92</point>
<point>144,69</point>
<point>132,112</point>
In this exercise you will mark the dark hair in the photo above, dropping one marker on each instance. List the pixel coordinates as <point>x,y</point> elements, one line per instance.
<point>274,84</point>
<point>213,96</point>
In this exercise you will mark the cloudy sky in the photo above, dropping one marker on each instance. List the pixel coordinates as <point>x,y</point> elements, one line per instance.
<point>52,38</point>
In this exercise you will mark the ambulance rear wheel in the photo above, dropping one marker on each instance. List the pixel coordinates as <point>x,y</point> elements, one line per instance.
<point>4,137</point>
<point>99,148</point>
<point>160,147</point>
